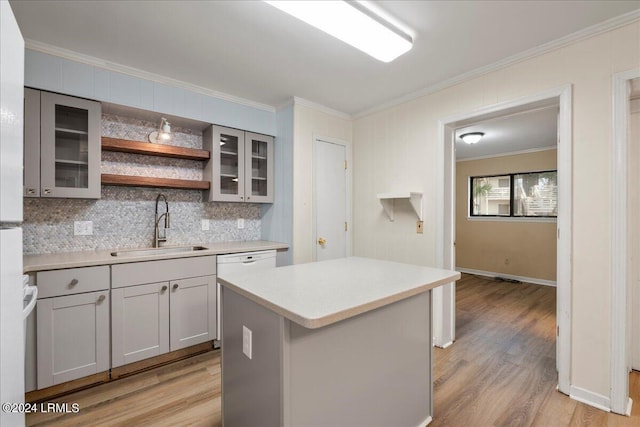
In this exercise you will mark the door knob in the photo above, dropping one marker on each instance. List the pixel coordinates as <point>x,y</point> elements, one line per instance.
<point>322,241</point>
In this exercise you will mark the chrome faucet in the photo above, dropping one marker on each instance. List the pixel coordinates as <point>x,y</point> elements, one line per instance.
<point>157,239</point>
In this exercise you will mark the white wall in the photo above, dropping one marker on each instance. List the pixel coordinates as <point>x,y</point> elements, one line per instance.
<point>310,121</point>
<point>397,149</point>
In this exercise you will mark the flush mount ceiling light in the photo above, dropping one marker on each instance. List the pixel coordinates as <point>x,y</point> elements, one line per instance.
<point>471,137</point>
<point>353,23</point>
<point>163,134</point>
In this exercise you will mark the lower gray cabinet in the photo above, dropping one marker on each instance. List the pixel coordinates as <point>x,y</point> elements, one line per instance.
<point>192,311</point>
<point>139,322</point>
<point>153,319</point>
<point>72,337</point>
<point>159,306</point>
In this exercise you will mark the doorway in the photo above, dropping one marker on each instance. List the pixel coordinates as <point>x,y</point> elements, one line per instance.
<point>444,328</point>
<point>331,199</point>
<point>623,316</point>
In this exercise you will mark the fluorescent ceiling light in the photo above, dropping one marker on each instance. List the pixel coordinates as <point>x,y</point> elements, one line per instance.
<point>352,23</point>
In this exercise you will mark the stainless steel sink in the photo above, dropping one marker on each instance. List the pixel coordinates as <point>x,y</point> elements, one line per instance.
<point>157,251</point>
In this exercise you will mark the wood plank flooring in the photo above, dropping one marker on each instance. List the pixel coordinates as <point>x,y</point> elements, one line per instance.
<point>499,372</point>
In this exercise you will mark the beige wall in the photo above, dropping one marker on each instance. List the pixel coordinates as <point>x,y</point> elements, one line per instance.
<point>307,123</point>
<point>518,248</point>
<point>398,149</point>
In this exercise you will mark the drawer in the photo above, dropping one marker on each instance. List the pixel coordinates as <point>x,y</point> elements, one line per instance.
<point>71,281</point>
<point>140,273</point>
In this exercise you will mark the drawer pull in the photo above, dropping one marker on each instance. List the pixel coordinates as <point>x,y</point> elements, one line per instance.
<point>101,298</point>
<point>175,286</point>
<point>73,283</point>
<point>164,288</point>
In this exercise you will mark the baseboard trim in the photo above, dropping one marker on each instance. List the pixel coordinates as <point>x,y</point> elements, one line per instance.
<point>445,345</point>
<point>590,398</point>
<point>426,422</point>
<point>629,406</point>
<point>508,276</point>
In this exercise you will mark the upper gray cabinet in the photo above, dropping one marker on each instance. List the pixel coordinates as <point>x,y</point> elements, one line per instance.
<point>62,146</point>
<point>240,167</point>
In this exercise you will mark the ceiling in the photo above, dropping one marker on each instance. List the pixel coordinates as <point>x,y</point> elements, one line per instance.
<point>517,132</point>
<point>253,51</point>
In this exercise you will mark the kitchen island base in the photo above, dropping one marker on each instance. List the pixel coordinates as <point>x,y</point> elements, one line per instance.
<point>373,369</point>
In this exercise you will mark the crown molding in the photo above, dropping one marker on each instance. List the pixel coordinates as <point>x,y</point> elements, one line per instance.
<point>305,102</point>
<point>135,72</point>
<point>583,34</point>
<point>511,153</point>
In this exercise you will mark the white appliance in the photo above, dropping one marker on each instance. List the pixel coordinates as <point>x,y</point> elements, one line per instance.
<point>11,147</point>
<point>238,263</point>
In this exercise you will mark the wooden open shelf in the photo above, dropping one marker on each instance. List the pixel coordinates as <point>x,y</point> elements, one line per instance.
<point>151,149</point>
<point>145,181</point>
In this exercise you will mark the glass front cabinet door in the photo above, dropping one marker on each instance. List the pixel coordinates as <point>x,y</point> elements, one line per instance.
<point>240,167</point>
<point>69,147</point>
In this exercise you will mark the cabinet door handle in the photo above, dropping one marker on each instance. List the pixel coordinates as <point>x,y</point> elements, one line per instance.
<point>175,286</point>
<point>46,191</point>
<point>101,298</point>
<point>73,283</point>
<point>164,288</point>
<point>31,191</point>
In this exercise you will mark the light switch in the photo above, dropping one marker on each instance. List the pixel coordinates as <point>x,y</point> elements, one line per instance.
<point>246,341</point>
<point>205,225</point>
<point>240,223</point>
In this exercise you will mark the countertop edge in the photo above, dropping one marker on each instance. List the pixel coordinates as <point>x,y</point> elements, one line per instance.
<point>33,263</point>
<point>315,323</point>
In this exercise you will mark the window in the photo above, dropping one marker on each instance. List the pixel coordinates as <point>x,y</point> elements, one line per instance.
<point>530,194</point>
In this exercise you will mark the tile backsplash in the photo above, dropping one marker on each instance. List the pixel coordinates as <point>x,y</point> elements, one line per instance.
<point>124,216</point>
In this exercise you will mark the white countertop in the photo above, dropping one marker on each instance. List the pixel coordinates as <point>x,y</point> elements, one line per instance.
<point>321,293</point>
<point>41,262</point>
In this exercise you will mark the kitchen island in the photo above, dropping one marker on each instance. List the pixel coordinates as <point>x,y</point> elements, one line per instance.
<point>345,342</point>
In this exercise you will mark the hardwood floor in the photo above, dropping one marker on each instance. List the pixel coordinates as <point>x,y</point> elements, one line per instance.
<point>499,372</point>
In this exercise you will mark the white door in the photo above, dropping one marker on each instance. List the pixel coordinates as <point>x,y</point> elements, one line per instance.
<point>330,198</point>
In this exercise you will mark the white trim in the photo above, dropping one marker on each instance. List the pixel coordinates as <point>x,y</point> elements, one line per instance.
<point>510,153</point>
<point>511,219</point>
<point>347,147</point>
<point>583,34</point>
<point>590,398</point>
<point>426,422</point>
<point>446,226</point>
<point>135,72</point>
<point>619,321</point>
<point>320,107</point>
<point>445,345</point>
<point>629,407</point>
<point>508,276</point>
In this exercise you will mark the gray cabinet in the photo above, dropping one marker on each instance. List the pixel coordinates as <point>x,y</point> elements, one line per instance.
<point>193,314</point>
<point>62,146</point>
<point>240,167</point>
<point>72,324</point>
<point>161,306</point>
<point>139,322</point>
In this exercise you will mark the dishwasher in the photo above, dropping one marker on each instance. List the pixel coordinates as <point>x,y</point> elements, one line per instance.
<point>238,263</point>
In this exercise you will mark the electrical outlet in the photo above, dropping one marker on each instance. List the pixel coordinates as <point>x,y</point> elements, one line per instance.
<point>240,223</point>
<point>246,341</point>
<point>83,228</point>
<point>205,224</point>
<point>419,227</point>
